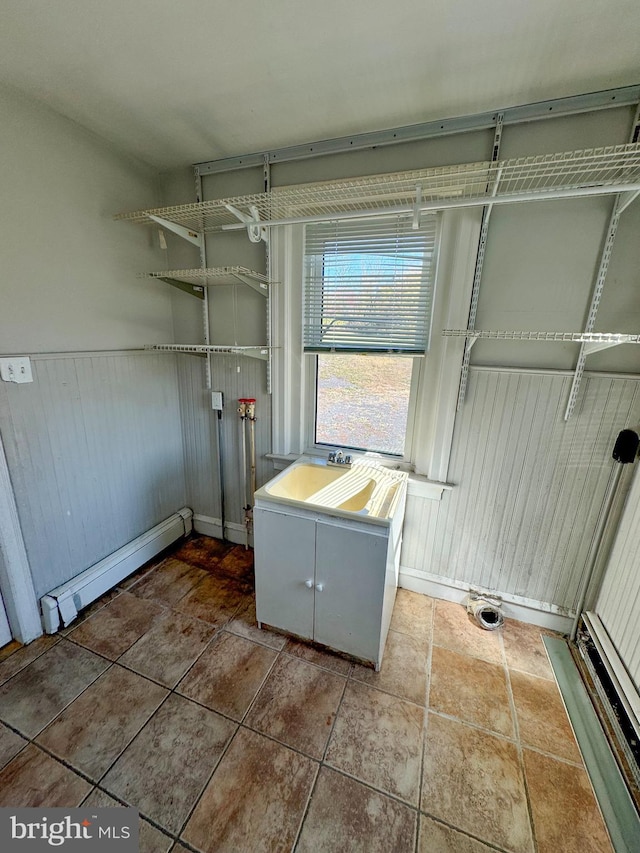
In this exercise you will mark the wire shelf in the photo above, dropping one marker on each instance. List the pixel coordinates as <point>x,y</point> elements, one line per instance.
<point>574,337</point>
<point>261,352</point>
<point>595,171</point>
<point>212,276</point>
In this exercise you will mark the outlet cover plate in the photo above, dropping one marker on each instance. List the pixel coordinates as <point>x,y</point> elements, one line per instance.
<point>216,400</point>
<point>16,369</point>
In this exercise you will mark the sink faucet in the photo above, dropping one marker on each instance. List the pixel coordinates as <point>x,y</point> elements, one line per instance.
<point>339,458</point>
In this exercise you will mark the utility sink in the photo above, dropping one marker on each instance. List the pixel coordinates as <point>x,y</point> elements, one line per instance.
<point>363,488</point>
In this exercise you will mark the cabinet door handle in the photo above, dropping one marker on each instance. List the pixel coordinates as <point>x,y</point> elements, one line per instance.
<point>319,587</point>
<point>309,584</point>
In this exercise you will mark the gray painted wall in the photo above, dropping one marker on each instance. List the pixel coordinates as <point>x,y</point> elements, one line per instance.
<point>94,444</point>
<point>501,527</point>
<point>94,448</point>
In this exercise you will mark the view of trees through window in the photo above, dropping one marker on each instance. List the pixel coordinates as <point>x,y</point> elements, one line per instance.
<point>362,401</point>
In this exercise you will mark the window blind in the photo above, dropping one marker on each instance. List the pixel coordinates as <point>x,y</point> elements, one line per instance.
<point>369,285</point>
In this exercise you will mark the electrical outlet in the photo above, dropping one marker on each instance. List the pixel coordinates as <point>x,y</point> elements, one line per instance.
<point>216,400</point>
<point>16,369</point>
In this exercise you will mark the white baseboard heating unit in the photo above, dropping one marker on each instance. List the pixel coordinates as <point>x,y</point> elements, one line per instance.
<point>61,605</point>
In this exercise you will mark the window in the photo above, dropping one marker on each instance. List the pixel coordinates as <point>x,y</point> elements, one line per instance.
<point>431,407</point>
<point>363,402</point>
<point>369,285</point>
<point>368,293</point>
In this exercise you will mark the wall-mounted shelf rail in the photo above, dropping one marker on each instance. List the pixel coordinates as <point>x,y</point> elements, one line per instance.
<point>261,352</point>
<point>599,171</point>
<point>599,340</point>
<point>195,280</point>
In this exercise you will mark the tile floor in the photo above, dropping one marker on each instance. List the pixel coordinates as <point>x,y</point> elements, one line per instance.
<point>166,696</point>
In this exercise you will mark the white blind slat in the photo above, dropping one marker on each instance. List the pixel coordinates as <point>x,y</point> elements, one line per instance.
<point>369,285</point>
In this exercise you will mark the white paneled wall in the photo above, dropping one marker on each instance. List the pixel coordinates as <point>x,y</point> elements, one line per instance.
<point>619,601</point>
<point>95,454</point>
<point>528,485</point>
<point>236,377</point>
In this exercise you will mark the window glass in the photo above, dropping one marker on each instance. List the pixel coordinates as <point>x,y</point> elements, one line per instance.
<point>362,401</point>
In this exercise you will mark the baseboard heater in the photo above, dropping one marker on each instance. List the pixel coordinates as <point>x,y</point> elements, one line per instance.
<point>61,605</point>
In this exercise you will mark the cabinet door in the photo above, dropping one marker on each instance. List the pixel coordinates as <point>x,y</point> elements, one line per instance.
<point>284,550</point>
<point>350,578</point>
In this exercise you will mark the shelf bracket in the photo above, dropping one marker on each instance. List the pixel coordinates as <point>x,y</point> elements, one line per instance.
<point>626,199</point>
<point>191,289</point>
<point>596,347</point>
<point>255,231</point>
<point>180,230</point>
<point>259,286</point>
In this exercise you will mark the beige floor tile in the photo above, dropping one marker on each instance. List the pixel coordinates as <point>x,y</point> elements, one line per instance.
<point>437,838</point>
<point>453,629</point>
<point>244,624</point>
<point>92,732</point>
<point>166,767</point>
<point>202,551</point>
<point>228,674</point>
<point>238,563</point>
<point>345,815</point>
<point>313,653</point>
<point>542,719</point>
<point>297,705</point>
<point>566,816</point>
<point>214,600</point>
<point>37,694</point>
<point>403,670</point>
<point>169,648</point>
<point>471,689</point>
<point>168,582</point>
<point>24,655</point>
<point>472,780</point>
<point>10,745</point>
<point>412,614</point>
<point>255,800</point>
<point>524,648</point>
<point>150,839</point>
<point>377,738</point>
<point>10,648</point>
<point>112,630</point>
<point>34,779</point>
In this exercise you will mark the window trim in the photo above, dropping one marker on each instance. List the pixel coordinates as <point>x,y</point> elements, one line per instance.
<point>437,380</point>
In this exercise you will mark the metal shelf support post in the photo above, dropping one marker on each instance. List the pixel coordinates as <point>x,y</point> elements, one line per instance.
<point>477,277</point>
<point>621,202</point>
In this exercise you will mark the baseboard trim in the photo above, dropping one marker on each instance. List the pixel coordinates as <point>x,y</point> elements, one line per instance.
<point>209,526</point>
<point>514,607</point>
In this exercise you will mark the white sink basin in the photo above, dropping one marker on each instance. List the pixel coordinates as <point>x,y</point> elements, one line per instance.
<point>362,489</point>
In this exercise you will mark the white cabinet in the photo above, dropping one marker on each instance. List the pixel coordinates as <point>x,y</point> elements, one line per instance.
<point>329,580</point>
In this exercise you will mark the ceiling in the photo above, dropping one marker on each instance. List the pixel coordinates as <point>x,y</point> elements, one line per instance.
<point>178,83</point>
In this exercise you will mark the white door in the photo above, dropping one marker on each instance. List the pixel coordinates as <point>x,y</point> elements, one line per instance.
<point>5,631</point>
<point>617,609</point>
<point>284,556</point>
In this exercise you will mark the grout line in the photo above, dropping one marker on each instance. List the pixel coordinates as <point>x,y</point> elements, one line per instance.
<point>423,746</point>
<point>33,660</point>
<point>490,844</point>
<point>516,725</point>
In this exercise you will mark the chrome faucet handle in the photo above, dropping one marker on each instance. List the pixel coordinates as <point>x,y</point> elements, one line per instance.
<point>332,456</point>
<point>347,460</point>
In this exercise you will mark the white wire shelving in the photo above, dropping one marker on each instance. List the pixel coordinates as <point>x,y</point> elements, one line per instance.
<point>598,171</point>
<point>212,276</point>
<point>261,352</point>
<point>596,338</point>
